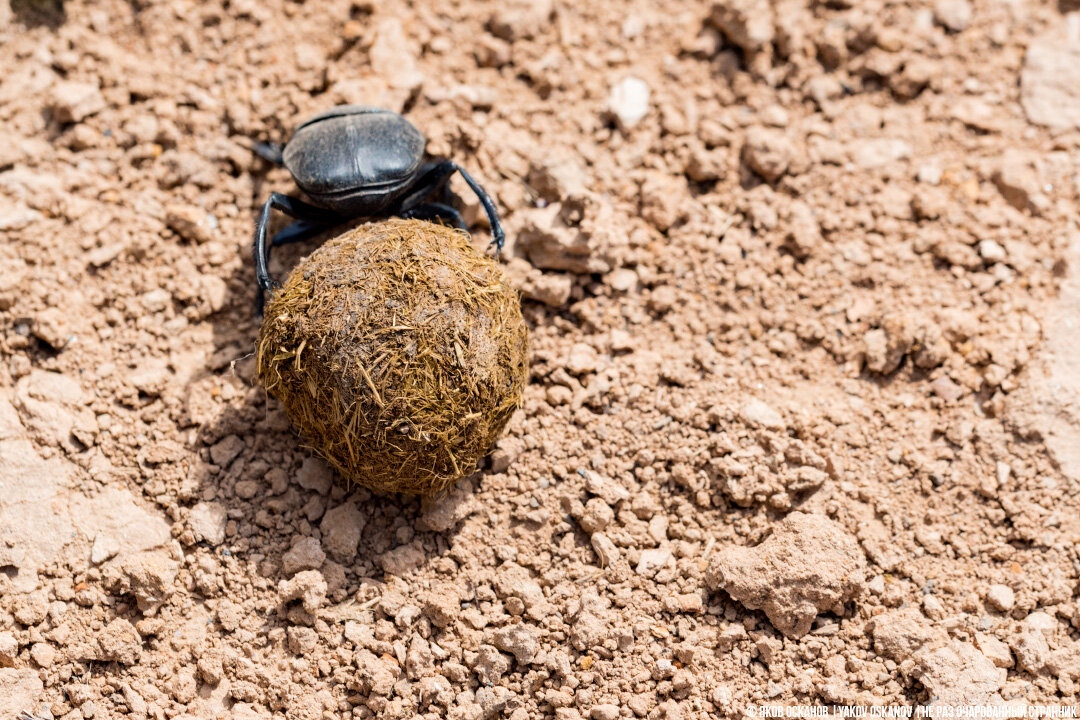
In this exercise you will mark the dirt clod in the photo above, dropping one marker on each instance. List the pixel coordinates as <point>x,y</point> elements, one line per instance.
<point>807,565</point>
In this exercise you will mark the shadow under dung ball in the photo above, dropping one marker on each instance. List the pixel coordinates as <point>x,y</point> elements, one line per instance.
<point>399,353</point>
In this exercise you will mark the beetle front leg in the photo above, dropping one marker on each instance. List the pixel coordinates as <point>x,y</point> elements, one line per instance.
<point>294,208</point>
<point>498,237</point>
<point>435,178</point>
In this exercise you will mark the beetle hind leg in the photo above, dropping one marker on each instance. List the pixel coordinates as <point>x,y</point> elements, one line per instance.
<point>439,212</point>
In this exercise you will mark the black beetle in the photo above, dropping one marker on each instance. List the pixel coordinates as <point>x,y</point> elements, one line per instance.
<point>353,162</point>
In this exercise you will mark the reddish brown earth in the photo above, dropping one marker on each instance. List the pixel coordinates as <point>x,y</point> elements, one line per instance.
<point>804,417</point>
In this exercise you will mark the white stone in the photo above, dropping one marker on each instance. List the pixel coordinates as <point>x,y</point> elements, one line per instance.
<point>74,101</point>
<point>605,549</point>
<point>629,101</point>
<point>1001,597</point>
<point>582,359</point>
<point>518,640</point>
<point>953,14</point>
<point>1050,81</point>
<point>758,413</point>
<point>207,521</point>
<point>991,251</point>
<point>609,490</point>
<point>105,546</point>
<point>9,649</point>
<point>995,649</point>
<point>653,561</point>
<point>622,279</point>
<point>1042,622</point>
<point>930,174</point>
<point>722,695</point>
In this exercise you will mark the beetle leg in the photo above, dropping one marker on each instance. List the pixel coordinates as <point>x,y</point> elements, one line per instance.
<point>261,249</point>
<point>498,237</point>
<point>297,232</point>
<point>437,211</point>
<point>435,179</point>
<point>268,151</point>
<point>432,179</point>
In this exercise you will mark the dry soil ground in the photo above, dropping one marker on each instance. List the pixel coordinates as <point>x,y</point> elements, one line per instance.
<point>803,279</point>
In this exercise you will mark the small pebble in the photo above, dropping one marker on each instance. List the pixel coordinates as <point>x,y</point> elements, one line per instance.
<point>1001,597</point>
<point>629,102</point>
<point>991,251</point>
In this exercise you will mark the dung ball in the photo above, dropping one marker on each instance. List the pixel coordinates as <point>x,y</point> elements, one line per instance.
<point>399,353</point>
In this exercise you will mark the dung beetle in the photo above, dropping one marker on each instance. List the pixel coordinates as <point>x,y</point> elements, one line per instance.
<point>355,161</point>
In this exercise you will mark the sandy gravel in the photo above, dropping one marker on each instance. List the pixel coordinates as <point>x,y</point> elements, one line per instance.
<point>803,284</point>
